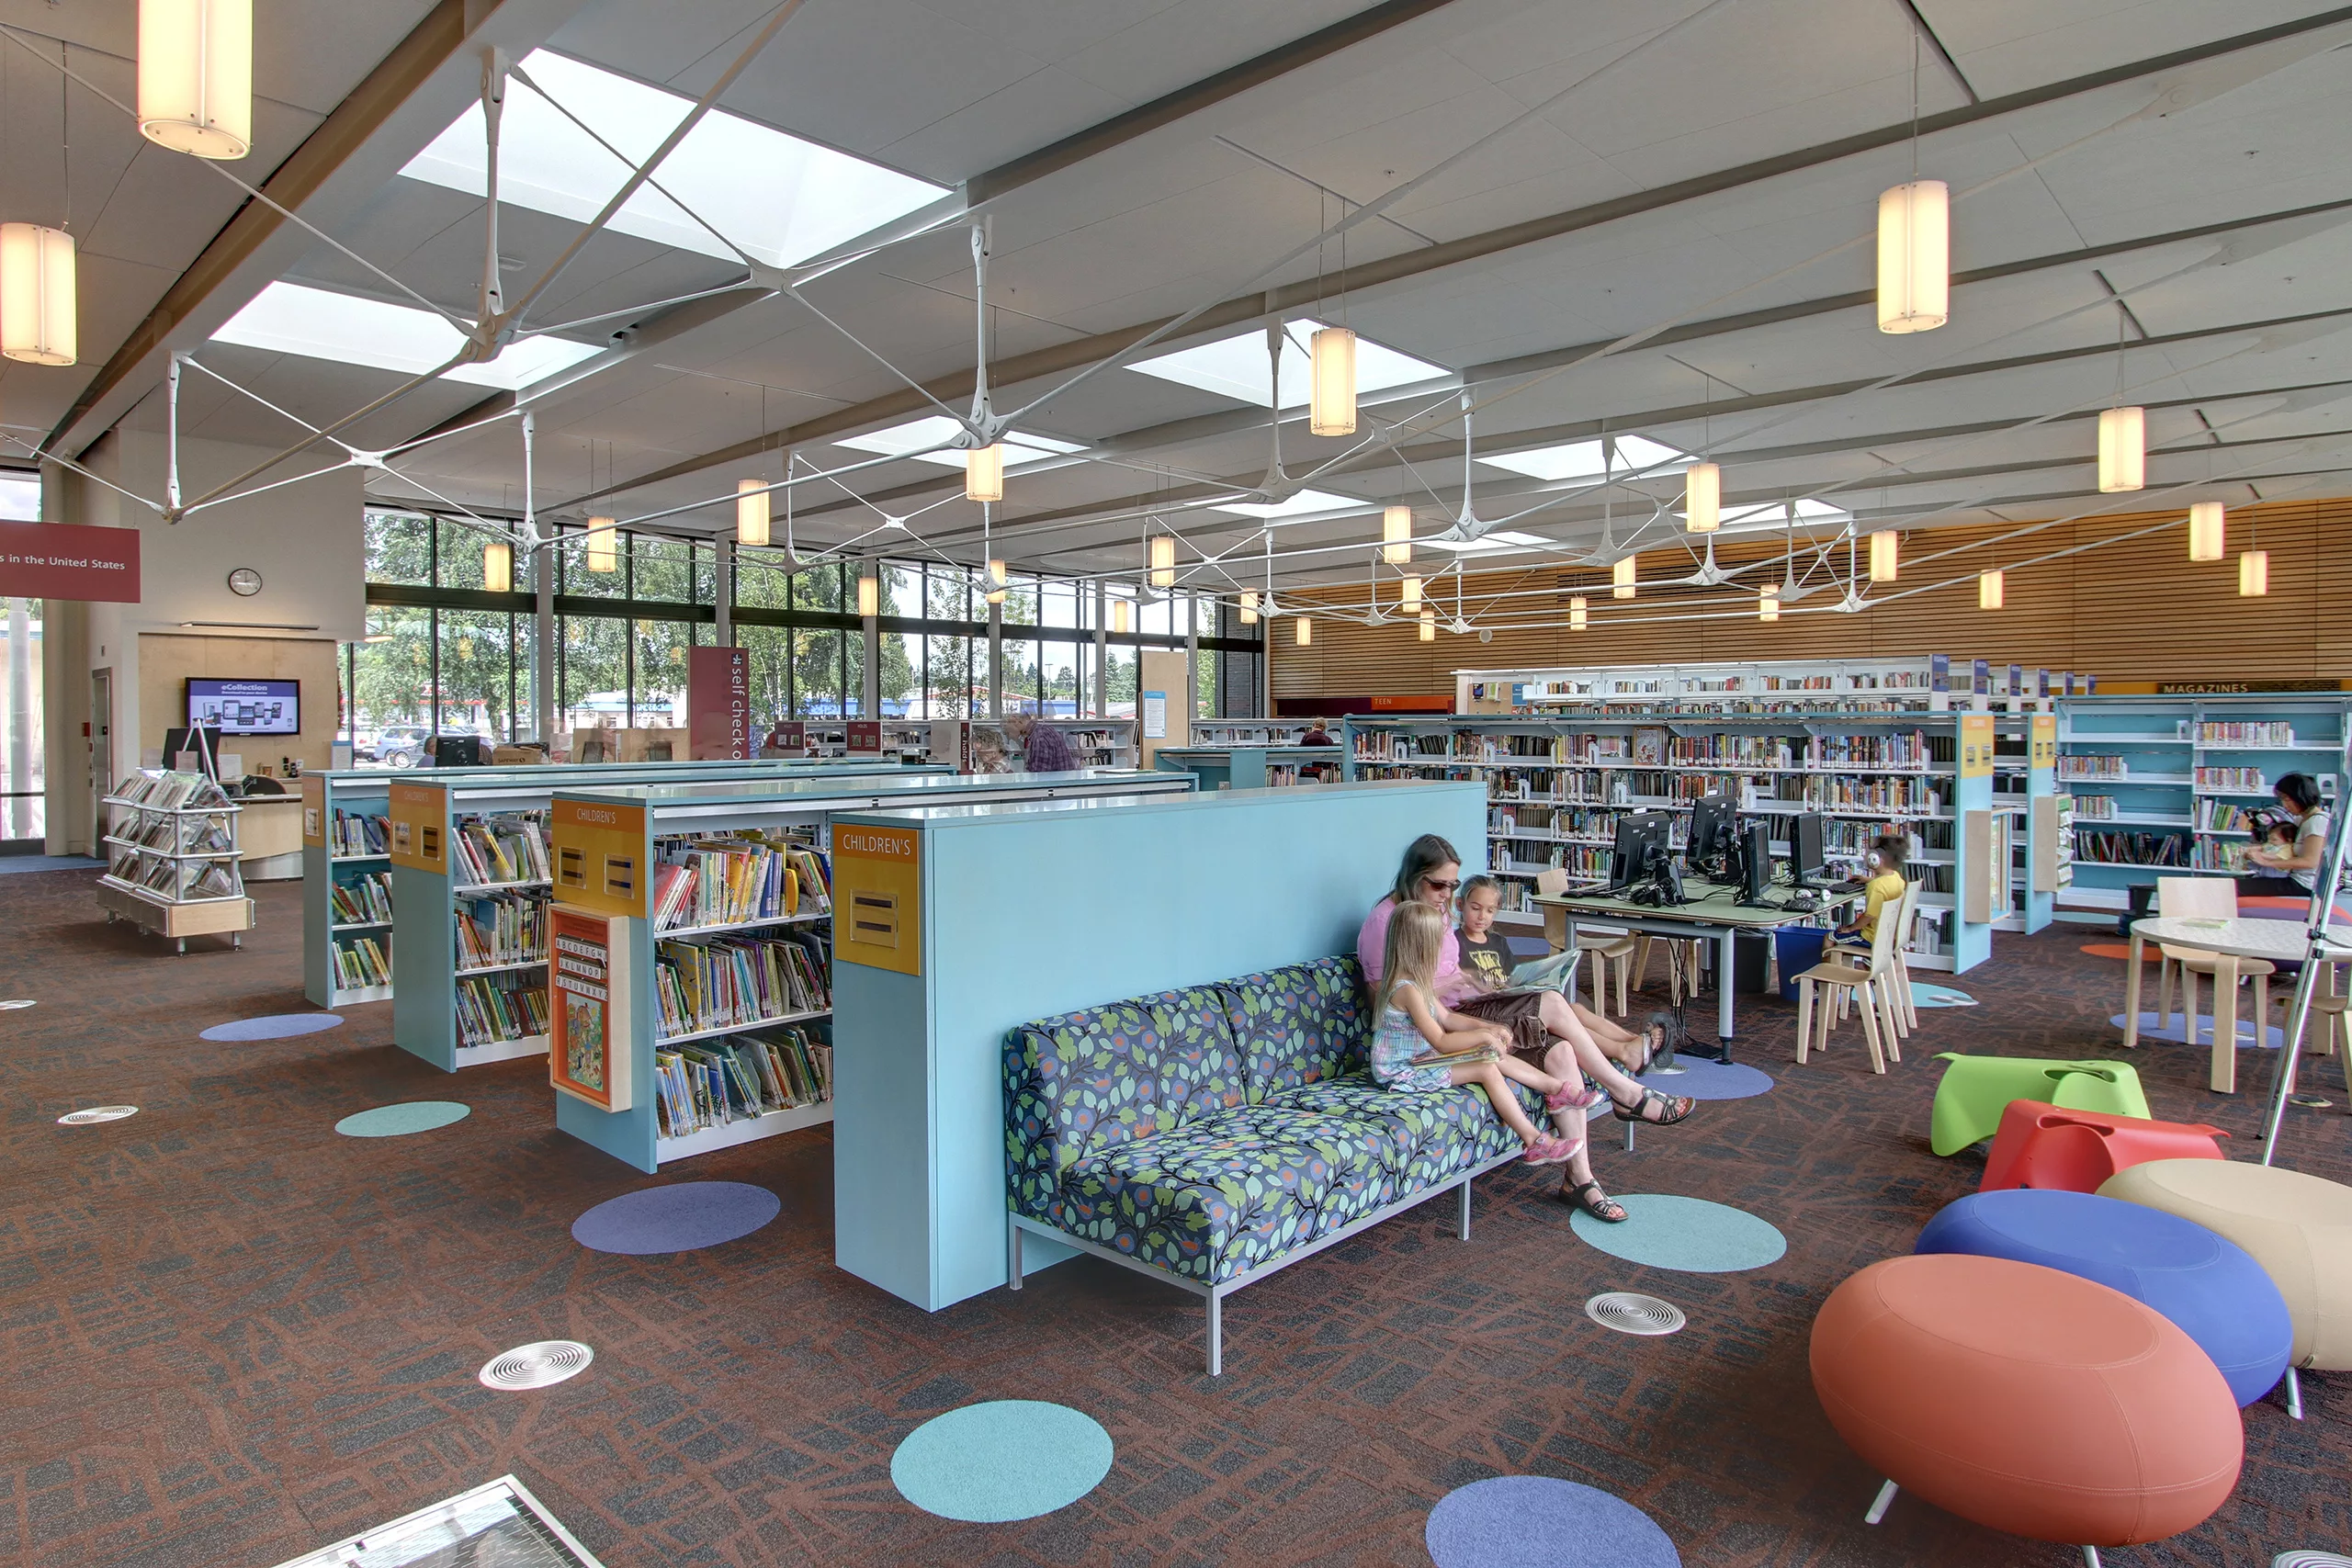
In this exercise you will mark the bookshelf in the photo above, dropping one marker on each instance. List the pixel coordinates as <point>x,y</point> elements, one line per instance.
<point>1246,767</point>
<point>1099,742</point>
<point>2159,786</point>
<point>649,1003</point>
<point>172,860</point>
<point>469,884</point>
<point>1232,732</point>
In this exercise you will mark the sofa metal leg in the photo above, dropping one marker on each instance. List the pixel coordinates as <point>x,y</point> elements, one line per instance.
<point>2090,1557</point>
<point>2294,1395</point>
<point>1012,1257</point>
<point>1463,1227</point>
<point>1216,1335</point>
<point>1877,1509</point>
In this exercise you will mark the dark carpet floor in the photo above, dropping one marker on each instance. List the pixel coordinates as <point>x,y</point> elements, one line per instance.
<point>231,1335</point>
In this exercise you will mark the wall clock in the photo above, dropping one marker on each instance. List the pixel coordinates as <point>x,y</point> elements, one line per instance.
<point>244,581</point>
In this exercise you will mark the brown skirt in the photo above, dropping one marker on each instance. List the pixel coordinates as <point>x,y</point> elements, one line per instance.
<point>1521,1012</point>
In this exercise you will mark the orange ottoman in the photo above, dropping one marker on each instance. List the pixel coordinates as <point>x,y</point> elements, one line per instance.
<point>2027,1400</point>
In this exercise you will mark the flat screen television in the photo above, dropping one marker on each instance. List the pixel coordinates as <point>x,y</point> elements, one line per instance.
<point>245,707</point>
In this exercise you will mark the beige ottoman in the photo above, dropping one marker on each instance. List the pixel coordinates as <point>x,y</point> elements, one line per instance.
<point>2298,1227</point>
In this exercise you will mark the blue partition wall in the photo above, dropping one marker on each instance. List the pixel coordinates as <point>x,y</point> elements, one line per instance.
<point>1034,910</point>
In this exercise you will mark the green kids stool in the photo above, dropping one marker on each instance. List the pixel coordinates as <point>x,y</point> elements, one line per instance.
<point>1976,1089</point>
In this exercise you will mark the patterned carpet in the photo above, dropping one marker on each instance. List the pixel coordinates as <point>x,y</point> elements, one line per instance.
<point>232,1335</point>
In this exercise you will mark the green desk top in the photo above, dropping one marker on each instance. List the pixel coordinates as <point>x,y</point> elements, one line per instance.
<point>1710,903</point>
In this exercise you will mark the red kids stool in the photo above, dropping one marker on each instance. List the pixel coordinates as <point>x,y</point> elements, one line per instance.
<point>2075,1151</point>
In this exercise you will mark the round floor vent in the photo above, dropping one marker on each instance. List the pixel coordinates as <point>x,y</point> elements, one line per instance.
<point>1628,1312</point>
<point>2311,1559</point>
<point>96,1113</point>
<point>536,1365</point>
<point>13,1003</point>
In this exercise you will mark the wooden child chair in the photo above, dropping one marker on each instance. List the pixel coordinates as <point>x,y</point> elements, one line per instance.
<point>1869,986</point>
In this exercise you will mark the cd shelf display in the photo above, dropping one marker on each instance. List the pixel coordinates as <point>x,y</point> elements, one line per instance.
<point>1252,767</point>
<point>692,931</point>
<point>172,859</point>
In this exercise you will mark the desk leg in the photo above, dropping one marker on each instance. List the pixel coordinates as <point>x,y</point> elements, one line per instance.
<point>1724,952</point>
<point>2225,1025</point>
<point>2132,994</point>
<point>1569,938</point>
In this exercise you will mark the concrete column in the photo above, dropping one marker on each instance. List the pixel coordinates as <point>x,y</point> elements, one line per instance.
<point>543,638</point>
<point>1102,649</point>
<point>996,661</point>
<point>723,590</point>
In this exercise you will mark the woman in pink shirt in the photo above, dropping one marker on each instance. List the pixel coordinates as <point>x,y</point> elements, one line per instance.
<point>1548,1033</point>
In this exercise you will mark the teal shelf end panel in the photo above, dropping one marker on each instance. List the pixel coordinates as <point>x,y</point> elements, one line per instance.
<point>425,991</point>
<point>2039,907</point>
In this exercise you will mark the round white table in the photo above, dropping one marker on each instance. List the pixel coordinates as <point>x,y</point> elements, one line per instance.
<point>2281,941</point>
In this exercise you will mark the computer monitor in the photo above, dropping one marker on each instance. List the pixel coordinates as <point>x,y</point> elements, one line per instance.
<point>1712,830</point>
<point>1808,853</point>
<point>1642,837</point>
<point>1755,861</point>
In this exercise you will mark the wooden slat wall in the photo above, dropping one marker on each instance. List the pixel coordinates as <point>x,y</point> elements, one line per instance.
<point>2132,611</point>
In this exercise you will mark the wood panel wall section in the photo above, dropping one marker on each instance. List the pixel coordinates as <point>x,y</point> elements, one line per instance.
<point>165,662</point>
<point>2134,610</point>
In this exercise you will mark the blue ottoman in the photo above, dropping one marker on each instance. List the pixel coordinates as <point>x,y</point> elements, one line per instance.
<point>2210,1288</point>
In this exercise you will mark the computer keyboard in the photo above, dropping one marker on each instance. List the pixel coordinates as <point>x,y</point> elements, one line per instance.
<point>1851,885</point>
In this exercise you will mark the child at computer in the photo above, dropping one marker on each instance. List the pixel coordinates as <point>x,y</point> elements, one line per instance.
<point>1420,1046</point>
<point>1884,863</point>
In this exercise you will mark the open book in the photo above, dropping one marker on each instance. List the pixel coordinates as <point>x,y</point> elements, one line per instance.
<point>1544,974</point>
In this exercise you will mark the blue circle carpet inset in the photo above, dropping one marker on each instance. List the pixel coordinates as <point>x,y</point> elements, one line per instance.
<point>1930,996</point>
<point>2166,1027</point>
<point>1687,1235</point>
<point>1003,1459</point>
<point>679,1217</point>
<point>1535,1521</point>
<point>274,1026</point>
<point>396,1121</point>
<point>1702,1079</point>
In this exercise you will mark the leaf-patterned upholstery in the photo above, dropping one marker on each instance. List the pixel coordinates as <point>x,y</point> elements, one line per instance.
<point>1211,1130</point>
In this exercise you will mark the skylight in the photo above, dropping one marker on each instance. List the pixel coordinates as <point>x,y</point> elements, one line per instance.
<point>1305,502</point>
<point>1490,544</point>
<point>1775,515</point>
<point>288,318</point>
<point>1581,459</point>
<point>782,199</point>
<point>904,439</point>
<point>1236,366</point>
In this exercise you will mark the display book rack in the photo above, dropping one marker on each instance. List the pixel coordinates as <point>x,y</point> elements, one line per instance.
<point>1246,767</point>
<point>2163,785</point>
<point>172,860</point>
<point>674,1033</point>
<point>1557,787</point>
<point>466,882</point>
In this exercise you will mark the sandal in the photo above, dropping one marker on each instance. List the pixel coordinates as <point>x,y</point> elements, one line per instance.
<point>1670,1111</point>
<point>1587,1198</point>
<point>1657,1043</point>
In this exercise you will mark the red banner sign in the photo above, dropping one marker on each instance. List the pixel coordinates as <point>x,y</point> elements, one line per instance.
<point>865,736</point>
<point>67,560</point>
<point>719,702</point>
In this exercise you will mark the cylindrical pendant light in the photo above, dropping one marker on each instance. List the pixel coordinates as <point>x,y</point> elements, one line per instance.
<point>1622,577</point>
<point>1397,535</point>
<point>1578,609</point>
<point>995,580</point>
<point>984,473</point>
<point>2208,531</point>
<point>36,312</point>
<point>2254,574</point>
<point>196,75</point>
<point>603,554</point>
<point>1886,546</point>
<point>1408,596</point>
<point>498,567</point>
<point>1332,410</point>
<point>1702,498</point>
<point>869,594</point>
<point>1915,257</point>
<point>1121,617</point>
<point>1429,626</point>
<point>1248,607</point>
<point>751,512</point>
<point>1163,560</point>
<point>2122,449</point>
<point>1988,590</point>
<point>1305,631</point>
<point>1768,606</point>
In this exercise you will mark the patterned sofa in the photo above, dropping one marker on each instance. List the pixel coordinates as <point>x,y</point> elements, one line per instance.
<point>1210,1135</point>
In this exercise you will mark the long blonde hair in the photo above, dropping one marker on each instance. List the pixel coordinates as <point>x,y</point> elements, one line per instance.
<point>1415,941</point>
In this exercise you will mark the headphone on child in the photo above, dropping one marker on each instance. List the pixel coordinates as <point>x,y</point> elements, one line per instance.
<point>1870,857</point>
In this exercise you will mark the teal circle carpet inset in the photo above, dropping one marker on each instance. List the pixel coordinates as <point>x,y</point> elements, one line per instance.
<point>1687,1235</point>
<point>1007,1458</point>
<point>1926,996</point>
<point>396,1121</point>
<point>274,1026</point>
<point>1535,1521</point>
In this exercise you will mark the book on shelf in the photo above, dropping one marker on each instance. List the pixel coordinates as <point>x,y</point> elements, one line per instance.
<point>738,880</point>
<point>495,1008</point>
<point>2246,734</point>
<point>359,833</point>
<point>2088,766</point>
<point>174,791</point>
<point>716,1083</point>
<point>501,928</point>
<point>2095,808</point>
<point>2236,781</point>
<point>361,962</point>
<point>512,848</point>
<point>735,980</point>
<point>361,898</point>
<point>2133,849</point>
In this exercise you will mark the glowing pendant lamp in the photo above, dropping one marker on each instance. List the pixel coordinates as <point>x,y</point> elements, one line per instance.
<point>603,554</point>
<point>1768,606</point>
<point>1408,597</point>
<point>196,75</point>
<point>1622,577</point>
<point>1886,546</point>
<point>996,580</point>
<point>2208,531</point>
<point>1429,626</point>
<point>1332,408</point>
<point>1121,617</point>
<point>498,567</point>
<point>1988,590</point>
<point>2122,449</point>
<point>751,512</point>
<point>1702,498</point>
<point>1915,257</point>
<point>37,312</point>
<point>1305,631</point>
<point>1577,611</point>
<point>2254,574</point>
<point>1163,560</point>
<point>1248,607</point>
<point>984,473</point>
<point>1397,535</point>
<point>869,594</point>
